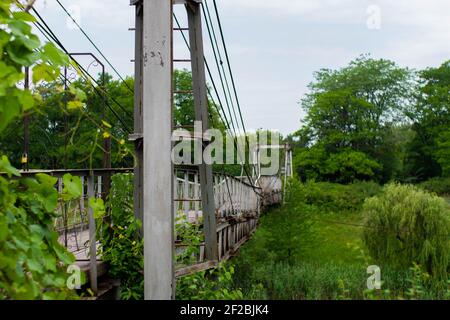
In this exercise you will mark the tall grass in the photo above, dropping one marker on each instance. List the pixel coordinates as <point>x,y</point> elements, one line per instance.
<point>309,281</point>
<point>298,253</point>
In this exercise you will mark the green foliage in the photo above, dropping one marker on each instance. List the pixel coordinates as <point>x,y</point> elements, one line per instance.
<point>428,151</point>
<point>330,281</point>
<point>33,265</point>
<point>122,247</point>
<point>309,163</point>
<point>346,166</point>
<point>442,153</point>
<point>214,284</point>
<point>348,113</point>
<point>281,234</point>
<point>440,186</point>
<point>338,198</point>
<point>333,263</point>
<point>407,225</point>
<point>20,47</point>
<point>349,166</point>
<point>184,111</point>
<point>302,281</point>
<point>83,116</point>
<point>191,237</point>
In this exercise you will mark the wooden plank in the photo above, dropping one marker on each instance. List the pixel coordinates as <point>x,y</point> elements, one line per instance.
<point>92,238</point>
<point>195,268</point>
<point>186,202</point>
<point>158,169</point>
<point>220,244</point>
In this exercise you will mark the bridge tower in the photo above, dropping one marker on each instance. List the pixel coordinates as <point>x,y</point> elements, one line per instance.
<point>154,171</point>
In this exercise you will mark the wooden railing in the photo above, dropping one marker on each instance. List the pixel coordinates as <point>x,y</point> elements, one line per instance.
<point>237,204</point>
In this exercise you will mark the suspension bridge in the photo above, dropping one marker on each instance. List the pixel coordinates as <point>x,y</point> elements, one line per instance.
<point>228,207</point>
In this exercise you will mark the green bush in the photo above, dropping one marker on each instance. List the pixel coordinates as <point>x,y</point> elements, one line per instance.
<point>440,186</point>
<point>122,247</point>
<point>337,197</point>
<point>214,284</point>
<point>346,166</point>
<point>33,264</point>
<point>283,233</point>
<point>406,225</point>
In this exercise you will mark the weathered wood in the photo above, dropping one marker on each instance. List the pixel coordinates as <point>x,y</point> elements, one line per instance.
<point>92,238</point>
<point>158,168</point>
<point>195,268</point>
<point>220,244</point>
<point>202,115</point>
<point>196,196</point>
<point>138,196</point>
<point>186,203</point>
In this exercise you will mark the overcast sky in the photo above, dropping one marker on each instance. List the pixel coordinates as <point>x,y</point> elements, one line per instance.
<point>275,46</point>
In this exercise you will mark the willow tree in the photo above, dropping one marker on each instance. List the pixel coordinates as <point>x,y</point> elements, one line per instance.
<point>406,225</point>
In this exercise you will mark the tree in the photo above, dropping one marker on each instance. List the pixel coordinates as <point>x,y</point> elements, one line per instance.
<point>66,137</point>
<point>406,225</point>
<point>33,264</point>
<point>348,111</point>
<point>428,151</point>
<point>184,110</point>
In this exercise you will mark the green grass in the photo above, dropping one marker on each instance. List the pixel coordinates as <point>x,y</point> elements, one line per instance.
<point>329,259</point>
<point>447,199</point>
<point>331,266</point>
<point>337,239</point>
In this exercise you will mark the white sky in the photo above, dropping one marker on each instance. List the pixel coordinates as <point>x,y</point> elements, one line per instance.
<point>275,46</point>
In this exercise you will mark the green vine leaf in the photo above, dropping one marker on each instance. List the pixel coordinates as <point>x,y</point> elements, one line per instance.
<point>45,72</point>
<point>5,166</point>
<point>73,187</point>
<point>55,56</point>
<point>98,207</point>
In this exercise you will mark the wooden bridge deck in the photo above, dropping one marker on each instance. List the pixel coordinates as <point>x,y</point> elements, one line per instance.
<point>237,213</point>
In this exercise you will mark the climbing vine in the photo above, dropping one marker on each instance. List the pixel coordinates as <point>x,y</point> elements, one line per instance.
<point>33,265</point>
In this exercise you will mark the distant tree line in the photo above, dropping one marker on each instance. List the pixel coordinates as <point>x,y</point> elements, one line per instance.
<point>374,120</point>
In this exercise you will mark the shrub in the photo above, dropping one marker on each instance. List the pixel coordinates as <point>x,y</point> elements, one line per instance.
<point>214,284</point>
<point>336,197</point>
<point>284,233</point>
<point>122,247</point>
<point>33,264</point>
<point>406,225</point>
<point>440,186</point>
<point>346,166</point>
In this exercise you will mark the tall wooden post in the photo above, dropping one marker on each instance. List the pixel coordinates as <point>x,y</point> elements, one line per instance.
<point>138,113</point>
<point>158,223</point>
<point>92,237</point>
<point>201,114</point>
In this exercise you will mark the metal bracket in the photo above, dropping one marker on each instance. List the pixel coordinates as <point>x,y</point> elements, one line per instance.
<point>186,1</point>
<point>135,137</point>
